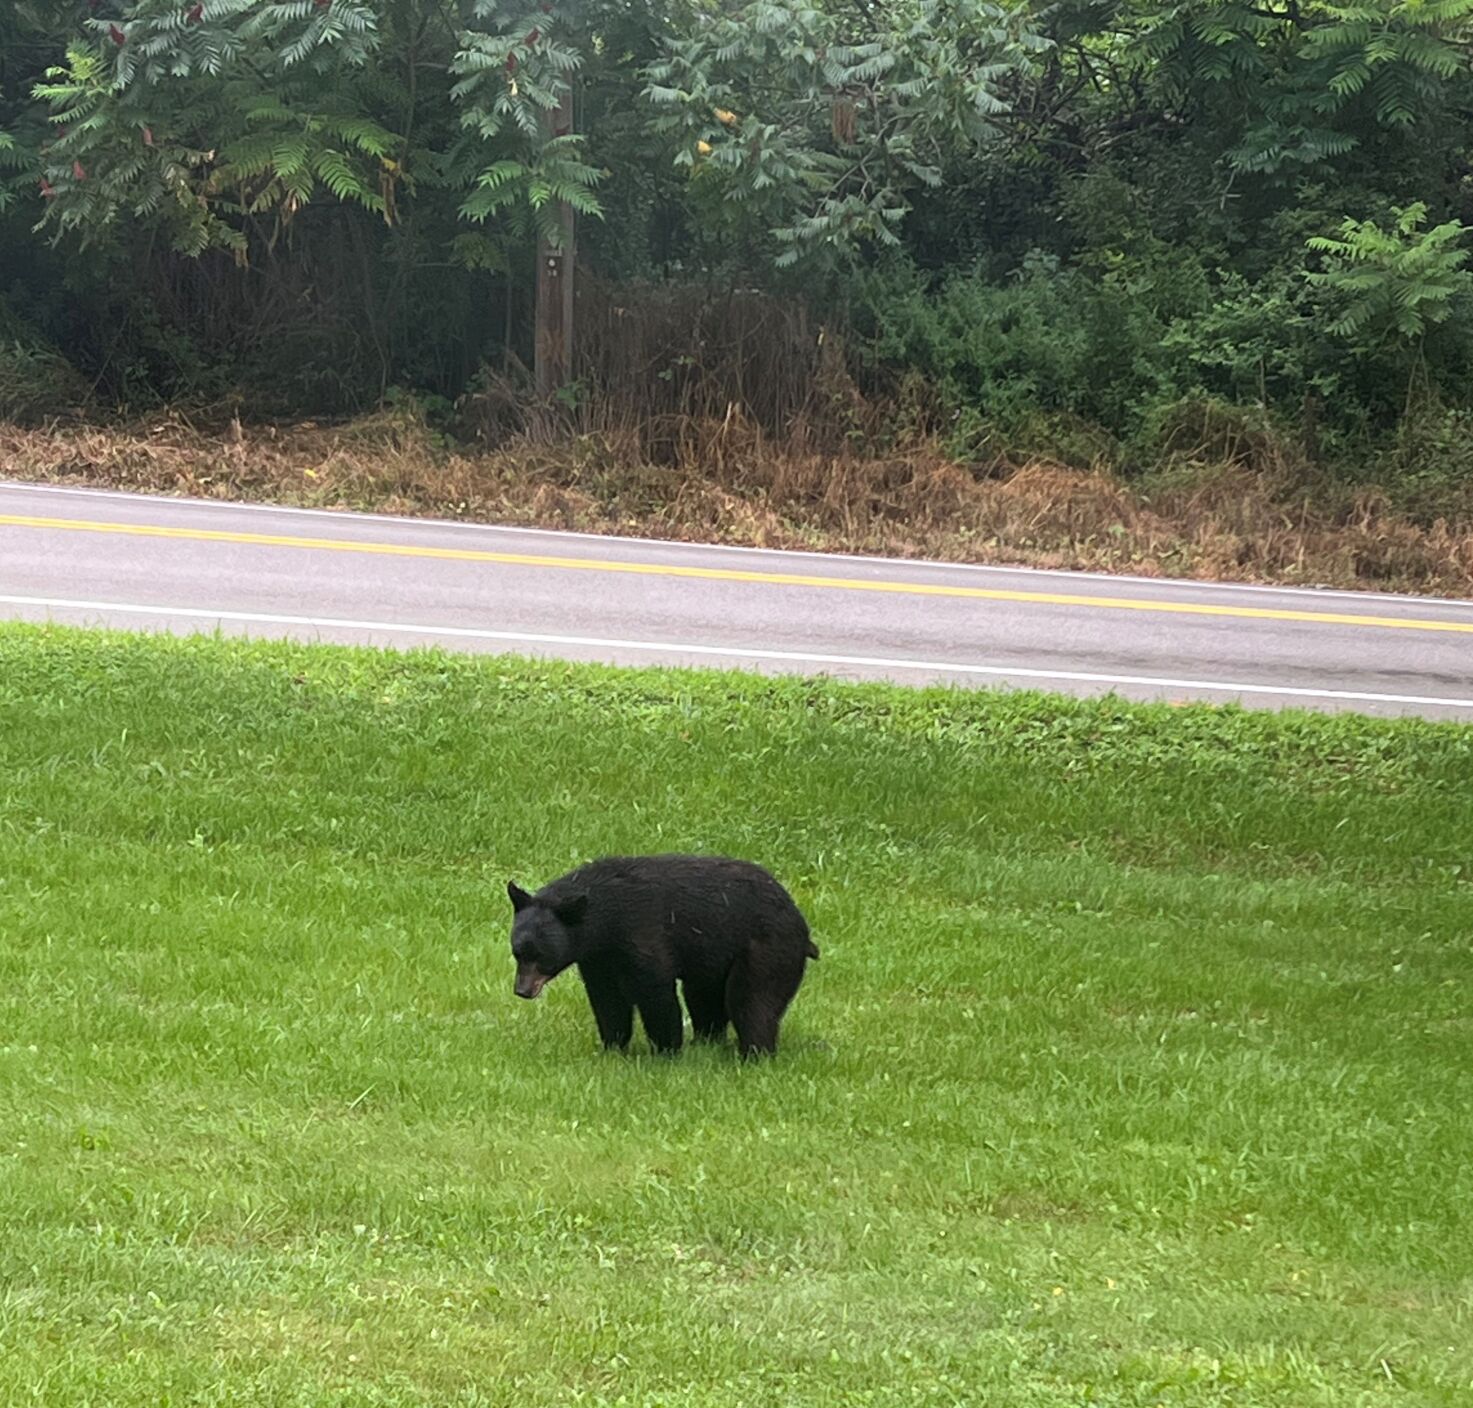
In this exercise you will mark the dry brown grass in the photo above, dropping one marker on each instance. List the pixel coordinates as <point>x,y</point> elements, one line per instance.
<point>721,479</point>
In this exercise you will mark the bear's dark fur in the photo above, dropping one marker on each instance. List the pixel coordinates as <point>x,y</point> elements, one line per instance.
<point>635,925</point>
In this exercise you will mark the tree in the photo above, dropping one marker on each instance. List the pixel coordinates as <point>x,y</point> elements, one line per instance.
<point>1299,83</point>
<point>519,75</point>
<point>220,120</point>
<point>816,122</point>
<point>1392,285</point>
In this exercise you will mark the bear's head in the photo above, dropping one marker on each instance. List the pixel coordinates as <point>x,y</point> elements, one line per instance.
<point>543,937</point>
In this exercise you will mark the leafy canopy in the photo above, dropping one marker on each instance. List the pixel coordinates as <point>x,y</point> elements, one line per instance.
<point>221,119</point>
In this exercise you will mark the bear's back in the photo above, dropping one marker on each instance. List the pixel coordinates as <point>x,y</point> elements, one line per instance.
<point>699,912</point>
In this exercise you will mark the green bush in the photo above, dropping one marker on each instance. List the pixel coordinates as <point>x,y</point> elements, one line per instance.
<point>1078,360</point>
<point>37,384</point>
<point>1047,340</point>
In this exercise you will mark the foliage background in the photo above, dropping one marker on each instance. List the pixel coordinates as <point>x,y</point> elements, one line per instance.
<point>1106,231</point>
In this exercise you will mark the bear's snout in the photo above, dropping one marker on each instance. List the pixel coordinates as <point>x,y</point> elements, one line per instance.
<point>530,982</point>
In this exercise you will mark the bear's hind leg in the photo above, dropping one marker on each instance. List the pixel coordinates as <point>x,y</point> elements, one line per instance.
<point>757,997</point>
<point>707,1007</point>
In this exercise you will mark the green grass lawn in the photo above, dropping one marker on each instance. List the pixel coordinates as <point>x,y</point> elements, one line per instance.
<point>1138,1068</point>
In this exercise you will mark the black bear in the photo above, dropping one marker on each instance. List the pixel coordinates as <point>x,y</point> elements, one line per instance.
<point>634,925</point>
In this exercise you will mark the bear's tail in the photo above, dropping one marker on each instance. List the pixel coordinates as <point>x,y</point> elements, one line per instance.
<point>813,950</point>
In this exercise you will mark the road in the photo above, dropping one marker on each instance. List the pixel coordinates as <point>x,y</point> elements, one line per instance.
<point>150,563</point>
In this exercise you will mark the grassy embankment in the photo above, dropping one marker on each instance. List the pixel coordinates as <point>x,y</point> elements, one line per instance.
<point>1136,1070</point>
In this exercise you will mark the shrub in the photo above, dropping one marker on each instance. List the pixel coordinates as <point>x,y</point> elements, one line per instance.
<point>37,384</point>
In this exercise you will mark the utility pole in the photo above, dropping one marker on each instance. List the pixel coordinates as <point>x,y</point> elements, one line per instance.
<point>553,343</point>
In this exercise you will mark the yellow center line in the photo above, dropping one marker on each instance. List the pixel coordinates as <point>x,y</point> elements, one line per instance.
<point>720,574</point>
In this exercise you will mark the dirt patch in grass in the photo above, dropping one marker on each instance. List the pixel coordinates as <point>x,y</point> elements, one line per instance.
<point>724,481</point>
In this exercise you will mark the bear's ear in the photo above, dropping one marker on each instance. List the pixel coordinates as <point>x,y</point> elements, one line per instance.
<point>520,899</point>
<point>570,911</point>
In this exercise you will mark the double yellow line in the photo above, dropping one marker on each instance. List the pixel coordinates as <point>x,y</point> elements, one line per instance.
<point>720,574</point>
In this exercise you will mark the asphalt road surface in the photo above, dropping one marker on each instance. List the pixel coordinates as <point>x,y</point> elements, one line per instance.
<point>149,563</point>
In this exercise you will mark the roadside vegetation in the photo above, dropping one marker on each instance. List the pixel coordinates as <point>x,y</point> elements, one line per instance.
<point>1135,1070</point>
<point>1230,520</point>
<point>1178,287</point>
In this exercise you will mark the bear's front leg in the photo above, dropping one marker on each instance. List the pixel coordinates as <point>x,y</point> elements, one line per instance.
<point>664,1022</point>
<point>612,1009</point>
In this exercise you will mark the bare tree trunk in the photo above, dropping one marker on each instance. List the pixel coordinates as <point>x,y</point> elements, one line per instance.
<point>553,347</point>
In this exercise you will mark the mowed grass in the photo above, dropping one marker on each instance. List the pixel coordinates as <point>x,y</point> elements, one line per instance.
<point>1138,1067</point>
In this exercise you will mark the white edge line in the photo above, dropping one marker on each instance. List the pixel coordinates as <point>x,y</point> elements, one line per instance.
<point>728,652</point>
<point>800,554</point>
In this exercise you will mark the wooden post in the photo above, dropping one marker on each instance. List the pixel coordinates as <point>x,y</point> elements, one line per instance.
<point>553,346</point>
